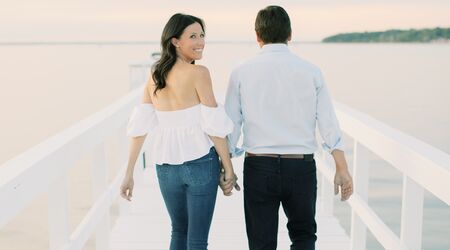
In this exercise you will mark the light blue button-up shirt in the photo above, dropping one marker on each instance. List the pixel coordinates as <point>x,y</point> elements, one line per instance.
<point>278,99</point>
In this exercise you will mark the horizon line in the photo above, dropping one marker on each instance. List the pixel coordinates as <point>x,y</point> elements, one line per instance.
<point>125,42</point>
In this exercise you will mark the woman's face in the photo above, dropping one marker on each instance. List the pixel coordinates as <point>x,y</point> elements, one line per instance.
<point>191,43</point>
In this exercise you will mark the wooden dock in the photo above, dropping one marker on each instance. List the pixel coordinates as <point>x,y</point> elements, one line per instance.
<point>146,226</point>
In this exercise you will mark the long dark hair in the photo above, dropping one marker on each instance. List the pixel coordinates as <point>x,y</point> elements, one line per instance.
<point>173,29</point>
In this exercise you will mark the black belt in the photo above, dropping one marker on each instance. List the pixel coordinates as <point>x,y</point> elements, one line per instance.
<point>307,157</point>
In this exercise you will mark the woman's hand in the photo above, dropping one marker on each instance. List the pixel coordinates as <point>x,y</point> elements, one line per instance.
<point>228,181</point>
<point>126,189</point>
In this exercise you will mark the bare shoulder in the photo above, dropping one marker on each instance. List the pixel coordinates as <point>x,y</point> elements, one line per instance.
<point>201,75</point>
<point>203,85</point>
<point>150,84</point>
<point>200,69</point>
<point>148,91</point>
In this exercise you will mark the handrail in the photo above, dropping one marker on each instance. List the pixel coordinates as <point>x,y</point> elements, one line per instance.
<point>17,188</point>
<point>371,220</point>
<point>421,162</point>
<point>422,166</point>
<point>45,168</point>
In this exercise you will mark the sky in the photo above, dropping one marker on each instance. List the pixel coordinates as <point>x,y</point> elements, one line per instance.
<point>231,20</point>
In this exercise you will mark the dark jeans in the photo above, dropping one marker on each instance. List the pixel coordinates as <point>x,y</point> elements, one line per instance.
<point>270,181</point>
<point>189,191</point>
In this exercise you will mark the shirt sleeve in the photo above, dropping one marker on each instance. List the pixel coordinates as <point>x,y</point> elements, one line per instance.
<point>142,120</point>
<point>233,109</point>
<point>215,121</point>
<point>326,118</point>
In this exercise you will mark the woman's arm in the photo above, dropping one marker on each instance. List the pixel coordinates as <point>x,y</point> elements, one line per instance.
<point>205,93</point>
<point>126,189</point>
<point>133,153</point>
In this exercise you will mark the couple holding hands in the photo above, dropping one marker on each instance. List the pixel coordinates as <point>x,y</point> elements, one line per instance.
<point>276,100</point>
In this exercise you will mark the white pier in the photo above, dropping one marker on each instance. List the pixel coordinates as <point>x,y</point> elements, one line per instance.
<point>144,224</point>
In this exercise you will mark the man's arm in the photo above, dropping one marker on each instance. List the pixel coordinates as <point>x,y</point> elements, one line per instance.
<point>326,118</point>
<point>332,136</point>
<point>233,109</point>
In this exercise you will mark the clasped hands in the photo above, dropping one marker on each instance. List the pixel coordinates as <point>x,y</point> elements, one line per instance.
<point>228,181</point>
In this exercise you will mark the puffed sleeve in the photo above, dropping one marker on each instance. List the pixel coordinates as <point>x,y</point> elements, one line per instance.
<point>142,120</point>
<point>215,121</point>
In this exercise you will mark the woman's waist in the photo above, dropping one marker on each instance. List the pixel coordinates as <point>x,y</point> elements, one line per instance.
<point>179,154</point>
<point>201,155</point>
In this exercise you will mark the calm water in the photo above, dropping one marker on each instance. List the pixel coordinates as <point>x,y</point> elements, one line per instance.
<point>44,89</point>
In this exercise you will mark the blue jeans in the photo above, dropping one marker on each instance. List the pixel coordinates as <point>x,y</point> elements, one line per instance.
<point>189,191</point>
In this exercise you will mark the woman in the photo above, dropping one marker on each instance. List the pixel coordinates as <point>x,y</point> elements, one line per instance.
<point>188,129</point>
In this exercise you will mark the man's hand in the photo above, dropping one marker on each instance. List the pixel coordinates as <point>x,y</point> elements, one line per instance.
<point>343,180</point>
<point>228,181</point>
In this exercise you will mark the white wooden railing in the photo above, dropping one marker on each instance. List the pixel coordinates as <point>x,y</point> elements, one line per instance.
<point>423,167</point>
<point>44,168</point>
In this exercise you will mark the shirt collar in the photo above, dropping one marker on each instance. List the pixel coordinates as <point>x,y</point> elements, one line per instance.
<point>274,47</point>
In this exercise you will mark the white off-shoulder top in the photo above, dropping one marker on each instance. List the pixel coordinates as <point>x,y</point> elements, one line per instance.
<point>180,135</point>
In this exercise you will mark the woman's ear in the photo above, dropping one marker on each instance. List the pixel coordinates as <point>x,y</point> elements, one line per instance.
<point>174,42</point>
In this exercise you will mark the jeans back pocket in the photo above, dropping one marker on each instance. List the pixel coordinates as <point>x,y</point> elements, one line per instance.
<point>199,172</point>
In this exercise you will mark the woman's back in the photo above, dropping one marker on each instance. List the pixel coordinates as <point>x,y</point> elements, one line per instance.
<point>180,116</point>
<point>180,90</point>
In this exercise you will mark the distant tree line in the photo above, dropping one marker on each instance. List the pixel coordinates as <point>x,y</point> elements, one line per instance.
<point>393,36</point>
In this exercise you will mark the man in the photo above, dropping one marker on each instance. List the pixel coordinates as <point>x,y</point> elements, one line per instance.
<point>278,98</point>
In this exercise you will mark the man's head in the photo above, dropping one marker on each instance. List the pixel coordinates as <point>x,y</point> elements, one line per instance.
<point>273,25</point>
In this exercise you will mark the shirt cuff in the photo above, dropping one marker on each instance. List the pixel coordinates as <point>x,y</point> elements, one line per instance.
<point>338,145</point>
<point>236,152</point>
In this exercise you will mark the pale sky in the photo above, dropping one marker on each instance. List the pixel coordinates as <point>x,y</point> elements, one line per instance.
<point>231,20</point>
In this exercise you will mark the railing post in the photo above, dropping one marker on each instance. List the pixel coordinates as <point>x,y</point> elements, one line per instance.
<point>99,185</point>
<point>412,214</point>
<point>58,213</point>
<point>327,189</point>
<point>361,185</point>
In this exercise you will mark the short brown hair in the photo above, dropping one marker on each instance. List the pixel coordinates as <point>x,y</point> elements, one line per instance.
<point>273,24</point>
